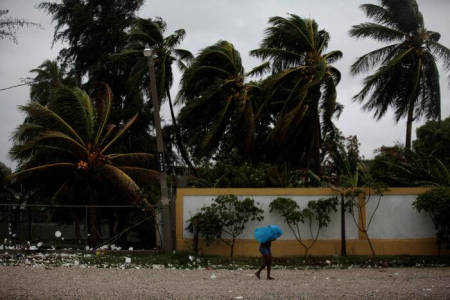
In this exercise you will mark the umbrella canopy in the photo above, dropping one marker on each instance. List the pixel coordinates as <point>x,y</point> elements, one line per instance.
<point>267,233</point>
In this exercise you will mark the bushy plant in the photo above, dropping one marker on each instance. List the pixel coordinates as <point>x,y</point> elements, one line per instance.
<point>225,219</point>
<point>316,211</point>
<point>436,202</point>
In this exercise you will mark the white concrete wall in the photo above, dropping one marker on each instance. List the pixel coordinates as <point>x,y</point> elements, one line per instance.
<point>192,204</point>
<point>396,218</point>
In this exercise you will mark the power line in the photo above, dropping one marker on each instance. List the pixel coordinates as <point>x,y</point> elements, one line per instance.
<point>14,86</point>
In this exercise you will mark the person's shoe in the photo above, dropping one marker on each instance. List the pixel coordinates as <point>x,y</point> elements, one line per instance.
<point>257,275</point>
<point>270,278</point>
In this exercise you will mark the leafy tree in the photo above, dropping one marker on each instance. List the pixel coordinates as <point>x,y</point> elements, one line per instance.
<point>226,215</point>
<point>69,140</point>
<point>219,111</point>
<point>433,138</point>
<point>436,202</point>
<point>92,30</point>
<point>340,164</point>
<point>315,216</point>
<point>301,92</point>
<point>356,188</point>
<point>9,26</point>
<point>407,78</point>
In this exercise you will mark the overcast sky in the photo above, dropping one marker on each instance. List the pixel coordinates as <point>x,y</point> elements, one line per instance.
<point>241,22</point>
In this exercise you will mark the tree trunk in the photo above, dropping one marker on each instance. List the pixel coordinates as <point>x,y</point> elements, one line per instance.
<point>372,249</point>
<point>183,151</point>
<point>409,126</point>
<point>343,238</point>
<point>93,230</point>
<point>196,233</point>
<point>232,248</point>
<point>30,223</point>
<point>167,233</point>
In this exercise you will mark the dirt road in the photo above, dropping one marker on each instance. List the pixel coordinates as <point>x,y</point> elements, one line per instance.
<point>38,282</point>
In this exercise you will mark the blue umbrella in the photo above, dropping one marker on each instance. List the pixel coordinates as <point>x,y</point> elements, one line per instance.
<point>267,233</point>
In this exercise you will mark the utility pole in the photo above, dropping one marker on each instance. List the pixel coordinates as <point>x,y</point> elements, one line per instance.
<point>164,202</point>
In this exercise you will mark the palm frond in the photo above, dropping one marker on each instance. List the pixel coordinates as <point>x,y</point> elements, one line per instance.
<point>332,56</point>
<point>53,138</point>
<point>45,117</point>
<point>376,31</point>
<point>121,131</point>
<point>103,104</point>
<point>75,107</point>
<point>41,169</point>
<point>260,70</point>
<point>122,183</point>
<point>371,59</point>
<point>141,175</point>
<point>132,159</point>
<point>442,52</point>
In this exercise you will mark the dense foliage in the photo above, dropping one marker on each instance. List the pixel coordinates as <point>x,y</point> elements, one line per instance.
<point>436,202</point>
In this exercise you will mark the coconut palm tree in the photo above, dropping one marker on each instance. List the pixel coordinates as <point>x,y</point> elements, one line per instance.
<point>67,142</point>
<point>218,102</point>
<point>49,75</point>
<point>301,92</point>
<point>166,52</point>
<point>407,79</point>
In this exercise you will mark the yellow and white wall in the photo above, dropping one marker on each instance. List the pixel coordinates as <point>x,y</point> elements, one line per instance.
<point>396,228</point>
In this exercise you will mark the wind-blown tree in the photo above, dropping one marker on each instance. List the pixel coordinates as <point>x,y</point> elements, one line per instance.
<point>301,92</point>
<point>151,32</point>
<point>49,75</point>
<point>69,140</point>
<point>218,103</point>
<point>406,78</point>
<point>91,31</point>
<point>433,138</point>
<point>9,26</point>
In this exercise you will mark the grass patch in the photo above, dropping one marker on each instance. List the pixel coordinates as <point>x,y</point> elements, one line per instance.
<point>188,261</point>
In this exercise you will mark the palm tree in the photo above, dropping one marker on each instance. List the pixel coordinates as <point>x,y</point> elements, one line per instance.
<point>151,32</point>
<point>49,75</point>
<point>407,78</point>
<point>301,92</point>
<point>218,101</point>
<point>69,140</point>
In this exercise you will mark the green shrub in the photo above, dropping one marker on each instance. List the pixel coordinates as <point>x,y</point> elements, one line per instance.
<point>226,215</point>
<point>436,203</point>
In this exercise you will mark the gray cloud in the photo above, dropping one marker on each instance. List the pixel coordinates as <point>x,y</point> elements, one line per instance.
<point>242,23</point>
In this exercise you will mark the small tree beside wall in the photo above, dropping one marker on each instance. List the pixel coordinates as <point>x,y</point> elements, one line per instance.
<point>316,211</point>
<point>436,203</point>
<point>225,217</point>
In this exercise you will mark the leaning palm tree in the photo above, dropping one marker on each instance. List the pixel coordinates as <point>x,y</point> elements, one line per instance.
<point>301,92</point>
<point>166,52</point>
<point>70,138</point>
<point>49,75</point>
<point>218,102</point>
<point>407,79</point>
